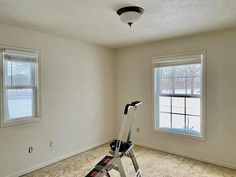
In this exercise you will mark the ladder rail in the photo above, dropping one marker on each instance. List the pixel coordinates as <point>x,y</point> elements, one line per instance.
<point>131,125</point>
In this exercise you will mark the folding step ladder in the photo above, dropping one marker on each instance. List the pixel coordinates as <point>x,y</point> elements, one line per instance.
<point>118,150</point>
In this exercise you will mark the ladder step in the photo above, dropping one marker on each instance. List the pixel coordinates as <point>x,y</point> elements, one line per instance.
<point>124,146</point>
<point>107,160</point>
<point>93,173</point>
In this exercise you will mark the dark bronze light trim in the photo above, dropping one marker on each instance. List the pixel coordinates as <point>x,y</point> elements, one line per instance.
<point>140,10</point>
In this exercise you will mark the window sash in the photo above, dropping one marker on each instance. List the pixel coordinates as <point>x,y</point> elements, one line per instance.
<point>19,87</point>
<point>33,73</point>
<point>171,80</point>
<point>172,112</point>
<point>180,95</point>
<point>34,103</point>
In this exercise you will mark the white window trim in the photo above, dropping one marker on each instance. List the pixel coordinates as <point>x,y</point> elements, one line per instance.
<point>177,57</point>
<point>23,120</point>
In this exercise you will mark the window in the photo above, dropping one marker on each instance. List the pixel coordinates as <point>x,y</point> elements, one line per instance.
<point>178,87</point>
<point>20,87</point>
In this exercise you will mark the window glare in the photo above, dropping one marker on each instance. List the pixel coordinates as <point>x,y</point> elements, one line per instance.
<point>20,103</point>
<point>178,105</point>
<point>165,104</point>
<point>165,121</point>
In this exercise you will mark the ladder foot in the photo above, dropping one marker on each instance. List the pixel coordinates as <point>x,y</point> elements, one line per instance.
<point>138,173</point>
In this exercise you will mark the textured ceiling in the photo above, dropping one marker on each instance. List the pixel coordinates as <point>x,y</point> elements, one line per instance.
<point>96,21</point>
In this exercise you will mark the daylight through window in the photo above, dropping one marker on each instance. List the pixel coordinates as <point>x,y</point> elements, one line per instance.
<point>178,90</point>
<point>20,85</point>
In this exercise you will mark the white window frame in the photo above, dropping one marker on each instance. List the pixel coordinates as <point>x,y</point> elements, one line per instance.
<point>5,122</point>
<point>181,57</point>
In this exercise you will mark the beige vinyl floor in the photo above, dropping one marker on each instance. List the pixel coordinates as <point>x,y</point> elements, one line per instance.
<point>152,163</point>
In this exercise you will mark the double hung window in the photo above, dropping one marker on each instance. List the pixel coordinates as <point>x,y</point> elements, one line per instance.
<point>20,88</point>
<point>179,88</point>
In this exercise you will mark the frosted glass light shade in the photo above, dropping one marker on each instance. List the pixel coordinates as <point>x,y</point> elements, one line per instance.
<point>130,17</point>
<point>130,14</point>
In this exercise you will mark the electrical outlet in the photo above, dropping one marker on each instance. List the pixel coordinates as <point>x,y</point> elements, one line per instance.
<point>30,150</point>
<point>137,129</point>
<point>51,144</point>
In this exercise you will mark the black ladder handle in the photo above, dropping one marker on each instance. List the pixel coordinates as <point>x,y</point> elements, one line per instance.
<point>133,104</point>
<point>127,106</point>
<point>136,103</point>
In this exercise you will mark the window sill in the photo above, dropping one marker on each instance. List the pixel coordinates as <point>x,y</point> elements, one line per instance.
<point>180,134</point>
<point>20,121</point>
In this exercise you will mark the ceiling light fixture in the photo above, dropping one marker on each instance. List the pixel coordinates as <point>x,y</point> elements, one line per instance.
<point>130,14</point>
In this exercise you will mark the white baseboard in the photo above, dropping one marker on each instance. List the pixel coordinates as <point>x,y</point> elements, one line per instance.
<point>223,164</point>
<point>44,164</point>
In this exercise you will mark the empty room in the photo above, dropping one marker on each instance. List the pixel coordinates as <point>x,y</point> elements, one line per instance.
<point>104,88</point>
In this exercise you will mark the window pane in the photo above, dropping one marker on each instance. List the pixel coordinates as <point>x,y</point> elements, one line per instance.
<point>19,103</point>
<point>193,75</point>
<point>164,120</point>
<point>165,80</point>
<point>19,73</point>
<point>164,103</point>
<point>189,86</point>
<point>193,124</point>
<point>180,71</point>
<point>166,87</point>
<point>178,121</point>
<point>7,72</point>
<point>193,70</point>
<point>178,105</point>
<point>193,106</point>
<point>166,71</point>
<point>180,84</point>
<point>197,86</point>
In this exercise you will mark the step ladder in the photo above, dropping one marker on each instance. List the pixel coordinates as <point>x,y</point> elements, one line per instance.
<point>118,150</point>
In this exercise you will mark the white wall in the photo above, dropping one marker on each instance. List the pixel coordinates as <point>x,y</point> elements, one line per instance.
<point>134,81</point>
<point>77,101</point>
<point>80,91</point>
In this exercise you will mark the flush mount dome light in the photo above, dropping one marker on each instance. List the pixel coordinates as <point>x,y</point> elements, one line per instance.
<point>130,14</point>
